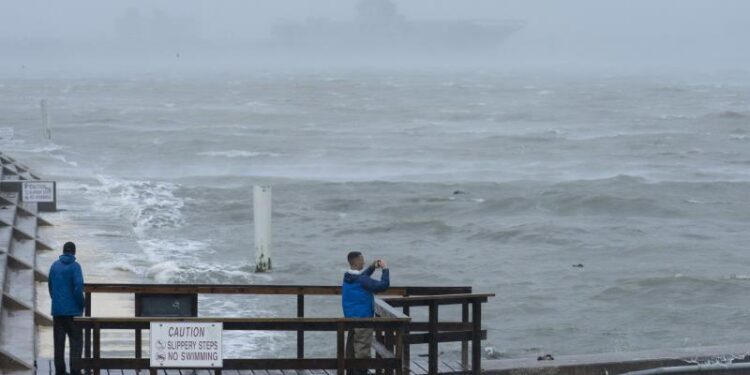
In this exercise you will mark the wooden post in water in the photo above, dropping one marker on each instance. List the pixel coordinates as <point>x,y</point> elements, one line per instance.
<point>262,218</point>
<point>46,132</point>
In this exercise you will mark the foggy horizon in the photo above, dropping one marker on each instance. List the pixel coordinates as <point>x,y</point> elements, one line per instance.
<point>85,37</point>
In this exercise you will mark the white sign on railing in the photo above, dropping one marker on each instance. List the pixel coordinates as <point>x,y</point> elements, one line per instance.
<point>186,344</point>
<point>38,191</point>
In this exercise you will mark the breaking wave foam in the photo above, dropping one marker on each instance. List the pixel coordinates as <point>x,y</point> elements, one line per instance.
<point>146,204</point>
<point>237,154</point>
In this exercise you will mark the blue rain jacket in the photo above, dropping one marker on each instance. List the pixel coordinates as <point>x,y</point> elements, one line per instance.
<point>66,286</point>
<point>357,292</point>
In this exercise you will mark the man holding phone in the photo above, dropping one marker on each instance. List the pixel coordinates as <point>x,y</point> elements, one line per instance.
<point>358,301</point>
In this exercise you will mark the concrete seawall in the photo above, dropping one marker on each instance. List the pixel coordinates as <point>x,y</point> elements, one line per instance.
<point>20,225</point>
<point>618,363</point>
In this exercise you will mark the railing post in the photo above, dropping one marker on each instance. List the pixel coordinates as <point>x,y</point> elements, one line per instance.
<point>389,344</point>
<point>300,333</point>
<point>407,346</point>
<point>379,337</point>
<point>138,343</point>
<point>400,335</point>
<point>433,344</point>
<point>465,344</point>
<point>97,348</point>
<point>87,333</point>
<point>340,349</point>
<point>476,337</point>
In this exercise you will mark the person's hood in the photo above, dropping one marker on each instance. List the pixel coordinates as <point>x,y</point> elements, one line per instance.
<point>352,275</point>
<point>67,258</point>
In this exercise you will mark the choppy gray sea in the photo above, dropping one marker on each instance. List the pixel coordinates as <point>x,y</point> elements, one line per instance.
<point>498,181</point>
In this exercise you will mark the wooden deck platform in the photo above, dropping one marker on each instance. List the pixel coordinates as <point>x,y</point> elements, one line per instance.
<point>418,367</point>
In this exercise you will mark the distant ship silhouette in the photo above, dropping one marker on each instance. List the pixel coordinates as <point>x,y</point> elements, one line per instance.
<point>380,28</point>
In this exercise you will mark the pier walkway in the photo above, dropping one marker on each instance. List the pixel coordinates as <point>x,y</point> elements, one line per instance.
<point>46,367</point>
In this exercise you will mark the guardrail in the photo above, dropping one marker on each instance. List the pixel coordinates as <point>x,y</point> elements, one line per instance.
<point>414,333</point>
<point>467,331</point>
<point>387,359</point>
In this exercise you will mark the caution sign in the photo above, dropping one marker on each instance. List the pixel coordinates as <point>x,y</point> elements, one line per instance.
<point>38,191</point>
<point>186,344</point>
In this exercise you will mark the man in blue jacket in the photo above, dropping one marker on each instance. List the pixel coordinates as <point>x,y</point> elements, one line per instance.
<point>358,301</point>
<point>66,290</point>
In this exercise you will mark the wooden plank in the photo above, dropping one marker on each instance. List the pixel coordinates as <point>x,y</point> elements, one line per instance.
<point>318,372</point>
<point>424,338</point>
<point>458,366</point>
<point>383,309</point>
<point>264,289</point>
<point>44,366</point>
<point>446,299</point>
<point>132,372</point>
<point>230,324</point>
<point>382,351</point>
<point>443,368</point>
<point>419,367</point>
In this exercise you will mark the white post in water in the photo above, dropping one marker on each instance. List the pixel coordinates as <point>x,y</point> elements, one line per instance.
<point>262,218</point>
<point>46,132</point>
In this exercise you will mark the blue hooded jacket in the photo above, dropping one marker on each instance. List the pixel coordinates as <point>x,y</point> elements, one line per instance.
<point>66,286</point>
<point>357,292</point>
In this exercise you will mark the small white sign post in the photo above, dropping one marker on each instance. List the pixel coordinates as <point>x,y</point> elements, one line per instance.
<point>186,345</point>
<point>38,191</point>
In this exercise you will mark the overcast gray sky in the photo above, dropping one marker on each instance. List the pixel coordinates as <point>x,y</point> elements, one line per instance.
<point>690,32</point>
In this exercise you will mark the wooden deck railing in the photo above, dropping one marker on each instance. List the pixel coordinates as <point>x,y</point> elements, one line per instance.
<point>431,332</point>
<point>467,331</point>
<point>391,360</point>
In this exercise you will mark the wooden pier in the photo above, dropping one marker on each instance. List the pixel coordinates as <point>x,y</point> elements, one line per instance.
<point>395,330</point>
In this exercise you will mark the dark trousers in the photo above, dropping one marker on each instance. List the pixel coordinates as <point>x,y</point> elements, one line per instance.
<point>64,325</point>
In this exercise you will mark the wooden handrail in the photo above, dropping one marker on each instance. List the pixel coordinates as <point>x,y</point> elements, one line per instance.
<point>442,299</point>
<point>247,324</point>
<point>262,289</point>
<point>383,309</point>
<point>390,360</point>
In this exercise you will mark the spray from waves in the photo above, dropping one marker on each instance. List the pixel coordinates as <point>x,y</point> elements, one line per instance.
<point>152,207</point>
<point>146,204</point>
<point>53,150</point>
<point>188,273</point>
<point>172,261</point>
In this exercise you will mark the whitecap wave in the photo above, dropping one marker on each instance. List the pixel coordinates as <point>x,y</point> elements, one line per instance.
<point>181,272</point>
<point>146,204</point>
<point>237,154</point>
<point>159,250</point>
